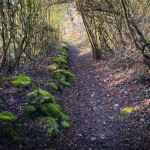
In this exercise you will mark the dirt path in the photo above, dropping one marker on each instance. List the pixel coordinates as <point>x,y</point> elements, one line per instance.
<point>93,103</point>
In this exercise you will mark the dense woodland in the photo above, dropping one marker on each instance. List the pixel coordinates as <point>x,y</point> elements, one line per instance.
<point>37,61</point>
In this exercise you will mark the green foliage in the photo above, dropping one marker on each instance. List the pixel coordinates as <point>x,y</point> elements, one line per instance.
<point>65,124</point>
<point>52,126</point>
<point>53,86</point>
<point>51,110</point>
<point>7,120</point>
<point>40,96</point>
<point>22,80</point>
<point>29,109</point>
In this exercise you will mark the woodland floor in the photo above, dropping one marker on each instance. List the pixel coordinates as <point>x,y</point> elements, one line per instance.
<point>94,103</point>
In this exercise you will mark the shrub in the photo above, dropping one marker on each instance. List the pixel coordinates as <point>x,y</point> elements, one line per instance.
<point>40,96</point>
<point>22,80</point>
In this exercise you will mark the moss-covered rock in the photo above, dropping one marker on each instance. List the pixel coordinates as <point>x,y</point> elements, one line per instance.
<point>51,110</point>
<point>52,126</point>
<point>29,109</point>
<point>7,120</point>
<point>65,124</point>
<point>65,117</point>
<point>53,86</point>
<point>40,96</point>
<point>63,47</point>
<point>60,60</point>
<point>64,82</point>
<point>22,80</point>
<point>63,72</point>
<point>64,55</point>
<point>7,116</point>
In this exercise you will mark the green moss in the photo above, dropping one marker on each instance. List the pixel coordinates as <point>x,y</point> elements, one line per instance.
<point>7,116</point>
<point>22,80</point>
<point>29,109</point>
<point>53,86</point>
<point>63,47</point>
<point>60,60</point>
<point>40,96</point>
<point>7,120</point>
<point>51,110</point>
<point>65,117</point>
<point>52,126</point>
<point>64,55</point>
<point>9,78</point>
<point>65,67</point>
<point>65,124</point>
<point>64,82</point>
<point>57,75</point>
<point>65,73</point>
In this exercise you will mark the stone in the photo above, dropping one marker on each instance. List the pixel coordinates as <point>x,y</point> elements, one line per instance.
<point>93,139</point>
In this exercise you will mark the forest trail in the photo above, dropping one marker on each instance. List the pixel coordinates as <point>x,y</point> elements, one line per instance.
<point>89,117</point>
<point>94,103</point>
